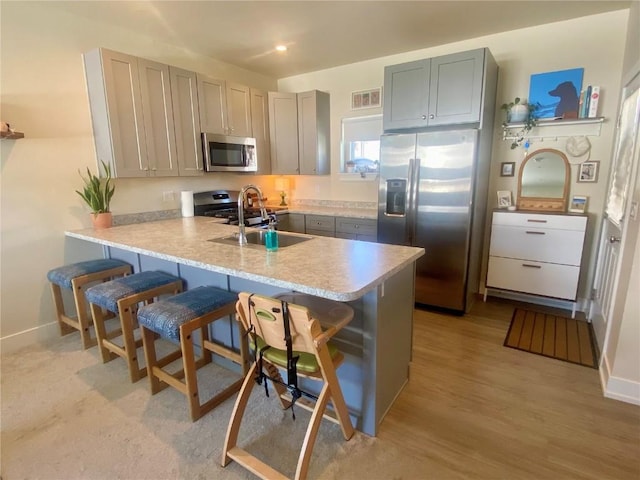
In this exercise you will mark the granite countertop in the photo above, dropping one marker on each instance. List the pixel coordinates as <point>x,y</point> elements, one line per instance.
<point>327,267</point>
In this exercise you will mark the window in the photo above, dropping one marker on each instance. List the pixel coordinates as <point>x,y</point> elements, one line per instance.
<point>361,144</point>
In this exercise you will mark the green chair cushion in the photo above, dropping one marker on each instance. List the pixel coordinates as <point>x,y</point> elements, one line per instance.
<point>307,362</point>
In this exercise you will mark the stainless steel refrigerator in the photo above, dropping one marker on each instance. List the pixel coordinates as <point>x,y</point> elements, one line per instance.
<point>432,194</point>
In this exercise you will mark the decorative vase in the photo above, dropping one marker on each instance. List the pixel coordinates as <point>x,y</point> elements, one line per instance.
<point>102,220</point>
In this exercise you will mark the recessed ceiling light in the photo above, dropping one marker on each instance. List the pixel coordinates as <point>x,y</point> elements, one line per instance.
<point>281,48</point>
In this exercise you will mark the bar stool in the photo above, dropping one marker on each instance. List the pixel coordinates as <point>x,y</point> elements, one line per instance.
<point>76,277</point>
<point>176,319</point>
<point>122,296</point>
<point>289,336</point>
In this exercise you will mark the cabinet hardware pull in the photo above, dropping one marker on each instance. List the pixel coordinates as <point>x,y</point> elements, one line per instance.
<point>424,117</point>
<point>536,221</point>
<point>531,266</point>
<point>536,233</point>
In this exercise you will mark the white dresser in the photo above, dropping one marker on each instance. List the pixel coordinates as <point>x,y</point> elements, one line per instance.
<point>536,253</point>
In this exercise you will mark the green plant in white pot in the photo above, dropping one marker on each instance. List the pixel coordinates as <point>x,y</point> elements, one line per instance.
<point>523,113</point>
<point>97,195</point>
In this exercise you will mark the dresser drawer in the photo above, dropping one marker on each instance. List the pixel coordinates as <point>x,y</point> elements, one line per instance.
<point>540,244</point>
<point>548,279</point>
<point>561,222</point>
<point>320,222</point>
<point>356,226</point>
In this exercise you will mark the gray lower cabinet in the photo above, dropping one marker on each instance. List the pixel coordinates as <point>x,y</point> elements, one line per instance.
<point>357,229</point>
<point>328,226</point>
<point>437,91</point>
<point>321,225</point>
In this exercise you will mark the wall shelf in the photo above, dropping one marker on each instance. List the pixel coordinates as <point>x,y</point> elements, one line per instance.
<point>555,128</point>
<point>11,135</point>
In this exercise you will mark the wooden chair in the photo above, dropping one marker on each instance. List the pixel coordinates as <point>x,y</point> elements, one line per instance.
<point>77,277</point>
<point>122,296</point>
<point>263,317</point>
<point>176,319</point>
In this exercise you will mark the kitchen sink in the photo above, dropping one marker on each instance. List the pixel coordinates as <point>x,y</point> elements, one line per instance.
<point>257,238</point>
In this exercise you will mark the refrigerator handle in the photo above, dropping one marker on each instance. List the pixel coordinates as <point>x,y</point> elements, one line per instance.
<point>412,194</point>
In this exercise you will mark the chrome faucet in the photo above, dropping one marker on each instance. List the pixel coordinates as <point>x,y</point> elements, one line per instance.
<point>242,237</point>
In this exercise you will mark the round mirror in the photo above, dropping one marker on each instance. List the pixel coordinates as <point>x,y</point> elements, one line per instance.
<point>543,181</point>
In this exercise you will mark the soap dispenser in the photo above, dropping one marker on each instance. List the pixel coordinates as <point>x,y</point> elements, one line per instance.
<point>271,238</point>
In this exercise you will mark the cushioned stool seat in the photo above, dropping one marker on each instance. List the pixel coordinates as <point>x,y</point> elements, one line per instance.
<point>176,319</point>
<point>76,277</point>
<point>122,296</point>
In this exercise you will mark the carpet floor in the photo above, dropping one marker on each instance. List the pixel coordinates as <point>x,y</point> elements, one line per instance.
<point>66,415</point>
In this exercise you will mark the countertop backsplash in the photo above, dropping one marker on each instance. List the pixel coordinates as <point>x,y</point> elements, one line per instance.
<point>319,207</point>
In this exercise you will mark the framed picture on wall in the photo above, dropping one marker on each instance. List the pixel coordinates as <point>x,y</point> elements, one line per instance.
<point>556,94</point>
<point>578,204</point>
<point>588,172</point>
<point>366,99</point>
<point>507,169</point>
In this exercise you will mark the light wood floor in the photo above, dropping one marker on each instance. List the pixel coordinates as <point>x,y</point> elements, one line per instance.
<point>477,409</point>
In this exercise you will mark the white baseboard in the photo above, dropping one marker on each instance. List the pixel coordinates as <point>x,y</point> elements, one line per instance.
<point>43,333</point>
<point>616,388</point>
<point>581,303</point>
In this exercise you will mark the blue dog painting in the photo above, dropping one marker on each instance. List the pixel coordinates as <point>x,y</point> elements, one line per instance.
<point>557,94</point>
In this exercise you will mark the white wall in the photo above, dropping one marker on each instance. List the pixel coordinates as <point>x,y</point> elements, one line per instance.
<point>44,96</point>
<point>520,53</point>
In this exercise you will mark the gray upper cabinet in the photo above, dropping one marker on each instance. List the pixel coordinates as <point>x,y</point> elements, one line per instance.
<point>225,107</point>
<point>260,129</point>
<point>160,137</point>
<point>444,90</point>
<point>406,95</point>
<point>184,95</point>
<point>283,132</point>
<point>144,115</point>
<point>299,132</point>
<point>113,84</point>
<point>313,133</point>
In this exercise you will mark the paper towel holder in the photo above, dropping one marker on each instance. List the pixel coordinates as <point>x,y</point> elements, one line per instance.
<point>186,201</point>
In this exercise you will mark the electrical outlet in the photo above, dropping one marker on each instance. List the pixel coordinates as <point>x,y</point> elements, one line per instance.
<point>167,196</point>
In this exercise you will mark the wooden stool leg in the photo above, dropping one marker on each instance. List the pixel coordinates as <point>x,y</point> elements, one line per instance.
<point>149,346</point>
<point>231,439</point>
<point>190,375</point>
<point>56,292</point>
<point>130,345</point>
<point>83,321</point>
<point>101,332</point>
<point>207,355</point>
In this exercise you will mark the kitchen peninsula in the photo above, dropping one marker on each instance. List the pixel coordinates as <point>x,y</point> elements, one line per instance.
<point>376,279</point>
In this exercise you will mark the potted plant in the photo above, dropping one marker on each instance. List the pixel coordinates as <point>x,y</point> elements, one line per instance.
<point>97,195</point>
<point>518,112</point>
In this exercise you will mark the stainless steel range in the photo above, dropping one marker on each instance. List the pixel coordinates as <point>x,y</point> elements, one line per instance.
<point>224,204</point>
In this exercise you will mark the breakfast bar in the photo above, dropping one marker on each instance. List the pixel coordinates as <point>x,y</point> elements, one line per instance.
<point>377,280</point>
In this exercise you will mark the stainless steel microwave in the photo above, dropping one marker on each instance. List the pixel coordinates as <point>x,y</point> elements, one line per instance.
<point>226,153</point>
